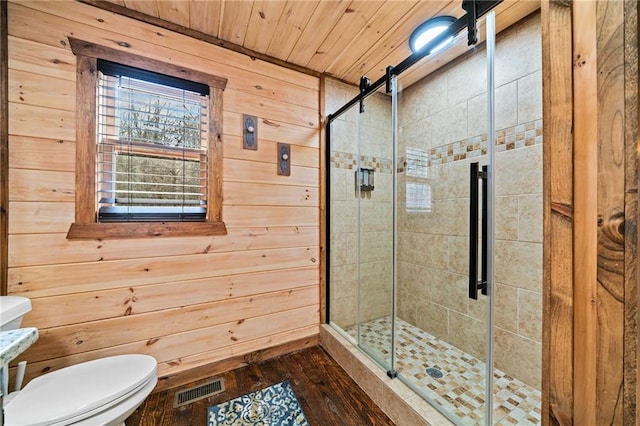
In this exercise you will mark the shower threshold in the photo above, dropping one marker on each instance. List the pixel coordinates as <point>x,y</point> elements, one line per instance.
<point>460,390</point>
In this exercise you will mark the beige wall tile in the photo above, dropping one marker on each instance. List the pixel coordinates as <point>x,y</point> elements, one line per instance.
<point>429,283</point>
<point>336,345</point>
<point>530,218</point>
<point>449,290</point>
<point>377,112</point>
<point>468,334</point>
<point>518,53</point>
<point>384,185</point>
<point>340,189</point>
<point>478,308</point>
<point>506,111</point>
<point>376,142</point>
<point>344,311</point>
<point>344,136</point>
<point>411,277</point>
<point>351,239</point>
<point>344,273</point>
<point>417,134</point>
<point>377,268</point>
<point>467,79</point>
<point>406,307</point>
<point>344,296</point>
<point>434,319</point>
<point>477,115</point>
<point>518,356</point>
<point>344,216</point>
<point>375,216</point>
<point>428,411</point>
<point>338,252</point>
<point>519,264</point>
<point>368,381</point>
<point>424,249</point>
<point>458,254</point>
<point>454,217</point>
<point>407,103</point>
<point>400,411</point>
<point>506,307</point>
<point>519,171</point>
<point>530,314</point>
<point>506,214</point>
<point>449,125</point>
<point>374,305</point>
<point>375,245</point>
<point>457,183</point>
<point>431,96</point>
<point>337,94</point>
<point>530,97</point>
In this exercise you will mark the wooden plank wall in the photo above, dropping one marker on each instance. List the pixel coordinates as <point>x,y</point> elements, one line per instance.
<point>611,167</point>
<point>187,301</point>
<point>591,209</point>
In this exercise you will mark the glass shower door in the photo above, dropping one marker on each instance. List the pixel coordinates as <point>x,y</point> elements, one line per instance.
<point>344,220</point>
<point>373,184</point>
<point>361,219</point>
<point>443,248</point>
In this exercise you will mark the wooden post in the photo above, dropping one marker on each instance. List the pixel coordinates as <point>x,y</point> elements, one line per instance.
<point>631,397</point>
<point>4,148</point>
<point>86,77</point>
<point>214,197</point>
<point>322,194</point>
<point>585,238</point>
<point>557,379</point>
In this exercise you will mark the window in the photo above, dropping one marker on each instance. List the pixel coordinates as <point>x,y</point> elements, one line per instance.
<point>418,190</point>
<point>152,146</point>
<point>418,197</point>
<point>149,158</point>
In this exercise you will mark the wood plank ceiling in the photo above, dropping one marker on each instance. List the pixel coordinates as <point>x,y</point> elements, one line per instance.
<point>342,38</point>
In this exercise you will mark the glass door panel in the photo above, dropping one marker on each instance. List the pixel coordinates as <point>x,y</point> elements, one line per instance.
<point>442,331</point>
<point>344,223</point>
<point>373,182</point>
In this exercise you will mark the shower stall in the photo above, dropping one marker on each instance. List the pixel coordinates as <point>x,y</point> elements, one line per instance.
<point>434,195</point>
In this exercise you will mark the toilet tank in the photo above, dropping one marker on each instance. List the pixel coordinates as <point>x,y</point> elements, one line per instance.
<point>12,309</point>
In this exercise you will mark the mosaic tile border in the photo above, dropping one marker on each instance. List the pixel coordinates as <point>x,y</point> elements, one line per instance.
<point>347,160</point>
<point>461,388</point>
<point>514,137</point>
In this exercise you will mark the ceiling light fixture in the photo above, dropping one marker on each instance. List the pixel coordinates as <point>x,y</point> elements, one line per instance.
<point>429,30</point>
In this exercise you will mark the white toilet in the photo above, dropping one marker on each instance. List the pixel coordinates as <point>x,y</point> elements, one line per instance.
<point>100,392</point>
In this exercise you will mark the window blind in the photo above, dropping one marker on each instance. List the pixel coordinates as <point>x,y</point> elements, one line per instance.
<point>152,146</point>
<point>417,163</point>
<point>418,192</point>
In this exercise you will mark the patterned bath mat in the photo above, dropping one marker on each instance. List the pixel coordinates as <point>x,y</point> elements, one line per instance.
<point>276,405</point>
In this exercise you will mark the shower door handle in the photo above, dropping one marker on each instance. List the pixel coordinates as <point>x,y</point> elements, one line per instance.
<point>484,284</point>
<point>474,283</point>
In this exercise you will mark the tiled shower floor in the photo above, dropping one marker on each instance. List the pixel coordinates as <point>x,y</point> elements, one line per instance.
<point>461,389</point>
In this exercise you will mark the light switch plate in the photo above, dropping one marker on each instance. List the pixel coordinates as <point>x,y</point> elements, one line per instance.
<point>249,132</point>
<point>284,159</point>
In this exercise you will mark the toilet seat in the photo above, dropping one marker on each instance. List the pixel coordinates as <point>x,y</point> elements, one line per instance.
<point>74,393</point>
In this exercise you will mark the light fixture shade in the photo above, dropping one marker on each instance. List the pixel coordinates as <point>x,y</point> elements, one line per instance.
<point>429,30</point>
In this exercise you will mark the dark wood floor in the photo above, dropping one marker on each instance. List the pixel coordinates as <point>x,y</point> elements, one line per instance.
<point>327,394</point>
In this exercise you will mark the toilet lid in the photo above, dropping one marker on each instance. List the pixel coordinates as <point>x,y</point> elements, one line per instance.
<point>72,391</point>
